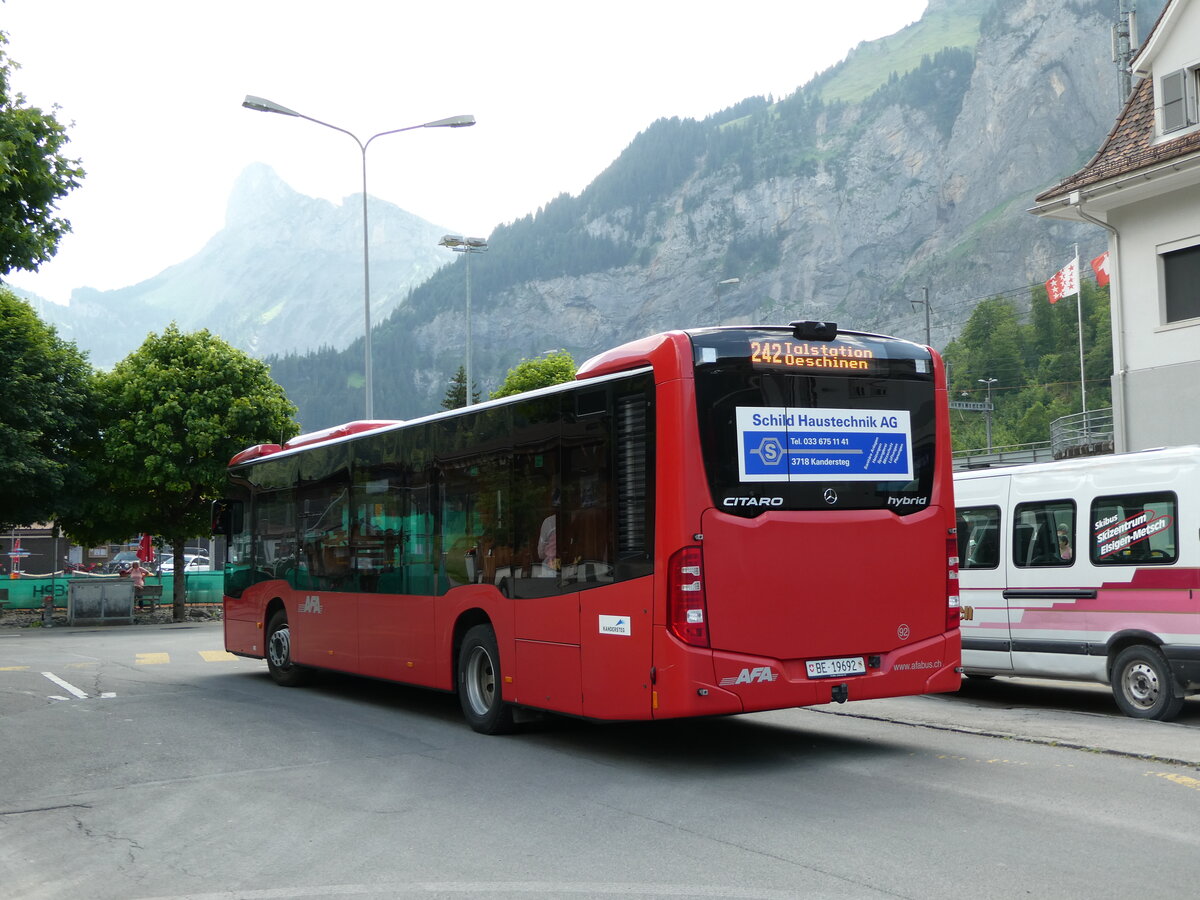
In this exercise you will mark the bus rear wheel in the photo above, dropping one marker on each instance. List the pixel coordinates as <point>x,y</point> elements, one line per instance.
<point>279,653</point>
<point>479,683</point>
<point>1142,684</point>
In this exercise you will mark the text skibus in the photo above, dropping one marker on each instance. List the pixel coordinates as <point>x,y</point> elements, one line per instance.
<point>703,523</point>
<point>1086,569</point>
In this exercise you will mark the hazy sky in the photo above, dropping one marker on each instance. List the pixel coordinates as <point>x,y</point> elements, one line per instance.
<point>154,91</point>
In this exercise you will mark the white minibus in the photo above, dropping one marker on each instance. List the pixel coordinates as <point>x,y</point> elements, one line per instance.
<point>1086,569</point>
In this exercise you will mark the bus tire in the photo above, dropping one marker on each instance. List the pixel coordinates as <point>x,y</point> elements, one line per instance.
<point>1142,684</point>
<point>479,682</point>
<point>279,653</point>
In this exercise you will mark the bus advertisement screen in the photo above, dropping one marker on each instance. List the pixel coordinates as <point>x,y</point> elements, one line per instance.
<point>787,444</point>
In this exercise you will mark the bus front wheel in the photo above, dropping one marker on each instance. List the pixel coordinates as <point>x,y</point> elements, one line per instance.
<point>279,653</point>
<point>1142,684</point>
<point>479,683</point>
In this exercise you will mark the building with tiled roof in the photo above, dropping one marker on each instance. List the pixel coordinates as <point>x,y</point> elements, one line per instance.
<point>1143,187</point>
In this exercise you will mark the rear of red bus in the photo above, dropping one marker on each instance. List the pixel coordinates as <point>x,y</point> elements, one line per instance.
<point>805,521</point>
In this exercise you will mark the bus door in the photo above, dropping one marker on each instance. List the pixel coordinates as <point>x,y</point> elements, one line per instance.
<point>1048,593</point>
<point>983,573</point>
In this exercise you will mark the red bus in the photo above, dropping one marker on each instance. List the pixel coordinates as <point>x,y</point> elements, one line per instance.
<point>705,522</point>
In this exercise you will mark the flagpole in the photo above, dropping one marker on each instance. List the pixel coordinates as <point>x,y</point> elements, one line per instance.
<point>1079,311</point>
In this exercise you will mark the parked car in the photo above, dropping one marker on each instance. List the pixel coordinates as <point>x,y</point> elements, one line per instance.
<point>121,562</point>
<point>191,563</point>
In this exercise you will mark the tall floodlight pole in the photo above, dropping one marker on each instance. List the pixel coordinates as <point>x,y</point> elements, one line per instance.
<point>987,413</point>
<point>467,246</point>
<point>262,105</point>
<point>925,302</point>
<point>727,283</point>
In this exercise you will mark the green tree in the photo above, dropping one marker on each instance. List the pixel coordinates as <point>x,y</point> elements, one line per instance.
<point>456,394</point>
<point>1036,365</point>
<point>176,410</point>
<point>34,175</point>
<point>556,367</point>
<point>48,414</point>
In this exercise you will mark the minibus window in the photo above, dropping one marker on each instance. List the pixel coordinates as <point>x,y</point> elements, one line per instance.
<point>1135,529</point>
<point>979,537</point>
<point>1044,534</point>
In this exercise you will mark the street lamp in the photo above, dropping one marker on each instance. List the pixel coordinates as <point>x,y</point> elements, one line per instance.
<point>987,413</point>
<point>467,245</point>
<point>262,105</point>
<point>728,282</point>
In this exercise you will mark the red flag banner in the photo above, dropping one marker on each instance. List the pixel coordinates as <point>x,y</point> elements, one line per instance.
<point>145,551</point>
<point>1065,282</point>
<point>1100,267</point>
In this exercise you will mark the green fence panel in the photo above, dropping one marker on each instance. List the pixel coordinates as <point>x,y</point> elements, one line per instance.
<point>31,593</point>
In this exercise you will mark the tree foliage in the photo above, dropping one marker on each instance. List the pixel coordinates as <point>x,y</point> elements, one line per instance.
<point>34,175</point>
<point>1034,357</point>
<point>556,367</point>
<point>47,416</point>
<point>175,411</point>
<point>456,393</point>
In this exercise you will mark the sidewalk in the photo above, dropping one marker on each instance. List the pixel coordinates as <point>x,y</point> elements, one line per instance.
<point>1105,731</point>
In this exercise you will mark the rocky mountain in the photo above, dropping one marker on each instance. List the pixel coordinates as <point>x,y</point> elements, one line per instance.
<point>265,281</point>
<point>909,166</point>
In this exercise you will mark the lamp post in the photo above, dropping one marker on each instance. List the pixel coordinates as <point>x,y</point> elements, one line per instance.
<point>987,413</point>
<point>262,105</point>
<point>728,282</point>
<point>466,245</point>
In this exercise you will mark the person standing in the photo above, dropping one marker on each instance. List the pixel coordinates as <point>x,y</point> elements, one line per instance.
<point>138,576</point>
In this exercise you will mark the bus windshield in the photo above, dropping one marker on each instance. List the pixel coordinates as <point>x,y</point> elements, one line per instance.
<point>796,424</point>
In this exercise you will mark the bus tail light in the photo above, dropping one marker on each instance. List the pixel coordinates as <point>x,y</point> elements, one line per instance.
<point>953,601</point>
<point>687,609</point>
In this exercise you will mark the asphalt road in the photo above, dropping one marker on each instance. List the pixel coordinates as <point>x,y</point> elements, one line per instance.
<point>154,765</point>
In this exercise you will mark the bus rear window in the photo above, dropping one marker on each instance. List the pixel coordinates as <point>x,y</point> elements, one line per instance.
<point>793,424</point>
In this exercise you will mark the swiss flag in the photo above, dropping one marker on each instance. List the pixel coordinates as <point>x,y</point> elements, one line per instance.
<point>1065,282</point>
<point>1100,267</point>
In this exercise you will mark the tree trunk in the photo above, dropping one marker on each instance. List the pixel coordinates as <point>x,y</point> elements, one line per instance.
<point>179,582</point>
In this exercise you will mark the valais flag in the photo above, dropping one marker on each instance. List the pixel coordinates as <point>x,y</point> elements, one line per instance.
<point>1065,282</point>
<point>1100,267</point>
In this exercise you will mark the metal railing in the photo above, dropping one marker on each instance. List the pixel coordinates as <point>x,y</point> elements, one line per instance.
<point>1011,455</point>
<point>1083,434</point>
<point>1080,434</point>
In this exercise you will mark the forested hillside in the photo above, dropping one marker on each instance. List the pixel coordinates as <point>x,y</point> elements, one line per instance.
<point>908,166</point>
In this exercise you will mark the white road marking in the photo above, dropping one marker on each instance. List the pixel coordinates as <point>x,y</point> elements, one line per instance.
<point>66,686</point>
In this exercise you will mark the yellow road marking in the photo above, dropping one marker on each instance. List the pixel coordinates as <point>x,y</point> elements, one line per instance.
<point>216,655</point>
<point>153,659</point>
<point>1185,780</point>
<point>14,668</point>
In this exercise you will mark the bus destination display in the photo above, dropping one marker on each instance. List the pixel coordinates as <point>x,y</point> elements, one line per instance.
<point>802,355</point>
<point>786,444</point>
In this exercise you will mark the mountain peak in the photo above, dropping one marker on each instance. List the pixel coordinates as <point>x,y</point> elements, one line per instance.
<point>257,193</point>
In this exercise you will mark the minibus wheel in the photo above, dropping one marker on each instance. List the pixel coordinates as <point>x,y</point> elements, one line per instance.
<point>1142,684</point>
<point>479,683</point>
<point>279,653</point>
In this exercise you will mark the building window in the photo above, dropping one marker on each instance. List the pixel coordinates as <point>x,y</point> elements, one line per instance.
<point>1181,283</point>
<point>1177,95</point>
